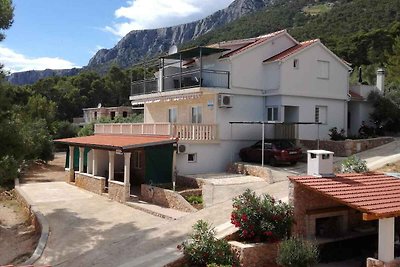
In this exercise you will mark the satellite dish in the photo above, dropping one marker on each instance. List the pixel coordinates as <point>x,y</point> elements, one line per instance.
<point>99,105</point>
<point>172,50</point>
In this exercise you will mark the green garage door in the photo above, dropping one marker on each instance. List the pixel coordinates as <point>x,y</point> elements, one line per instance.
<point>159,164</point>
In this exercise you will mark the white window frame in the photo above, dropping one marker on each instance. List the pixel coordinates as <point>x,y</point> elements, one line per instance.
<point>321,70</point>
<point>273,109</point>
<point>174,111</point>
<point>195,111</point>
<point>194,157</point>
<point>137,159</point>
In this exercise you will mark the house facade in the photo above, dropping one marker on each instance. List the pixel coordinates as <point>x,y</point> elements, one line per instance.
<point>197,93</point>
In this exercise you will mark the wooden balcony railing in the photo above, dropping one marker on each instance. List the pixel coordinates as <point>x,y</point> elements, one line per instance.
<point>186,132</point>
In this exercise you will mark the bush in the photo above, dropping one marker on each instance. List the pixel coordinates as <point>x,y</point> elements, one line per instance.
<point>204,248</point>
<point>261,218</point>
<point>195,199</point>
<point>353,164</point>
<point>64,129</point>
<point>335,135</point>
<point>88,129</point>
<point>296,252</point>
<point>8,170</point>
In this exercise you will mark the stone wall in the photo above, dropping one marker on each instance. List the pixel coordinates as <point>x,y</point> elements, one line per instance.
<point>118,191</point>
<point>165,197</point>
<point>191,192</point>
<point>256,254</point>
<point>347,147</point>
<point>91,183</point>
<point>305,200</point>
<point>250,169</point>
<point>377,263</point>
<point>188,182</point>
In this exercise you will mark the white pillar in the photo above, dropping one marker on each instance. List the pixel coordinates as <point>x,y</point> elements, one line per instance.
<point>111,162</point>
<point>386,240</point>
<point>127,168</point>
<point>380,80</point>
<point>81,158</point>
<point>71,164</point>
<point>90,162</point>
<point>95,162</point>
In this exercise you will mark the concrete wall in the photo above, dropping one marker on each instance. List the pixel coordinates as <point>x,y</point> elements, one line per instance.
<point>158,112</point>
<point>359,111</point>
<point>252,76</point>
<point>304,80</point>
<point>91,183</point>
<point>102,159</point>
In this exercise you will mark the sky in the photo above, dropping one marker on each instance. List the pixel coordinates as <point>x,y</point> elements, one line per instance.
<point>59,34</point>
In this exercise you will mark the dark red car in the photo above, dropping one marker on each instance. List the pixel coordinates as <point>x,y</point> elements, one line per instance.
<point>275,151</point>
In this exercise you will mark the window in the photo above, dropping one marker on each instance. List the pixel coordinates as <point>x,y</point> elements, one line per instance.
<point>192,157</point>
<point>295,63</point>
<point>95,115</point>
<point>197,114</point>
<point>323,69</point>
<point>321,114</point>
<point>124,114</point>
<point>172,115</point>
<point>112,115</point>
<point>272,113</point>
<point>137,159</point>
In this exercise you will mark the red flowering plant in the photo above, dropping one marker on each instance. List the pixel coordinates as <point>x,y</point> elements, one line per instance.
<point>261,219</point>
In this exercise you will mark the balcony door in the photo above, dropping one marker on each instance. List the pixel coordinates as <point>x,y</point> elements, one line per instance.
<point>173,115</point>
<point>197,116</point>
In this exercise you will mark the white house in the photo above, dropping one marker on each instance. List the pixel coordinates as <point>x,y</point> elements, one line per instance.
<point>273,77</point>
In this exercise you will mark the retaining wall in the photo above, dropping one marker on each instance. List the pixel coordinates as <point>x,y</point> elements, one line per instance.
<point>250,169</point>
<point>91,183</point>
<point>118,191</point>
<point>347,147</point>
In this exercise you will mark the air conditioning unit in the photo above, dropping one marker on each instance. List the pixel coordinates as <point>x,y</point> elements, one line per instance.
<point>224,101</point>
<point>181,149</point>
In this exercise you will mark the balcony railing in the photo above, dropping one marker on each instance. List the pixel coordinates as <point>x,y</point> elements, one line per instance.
<point>186,132</point>
<point>183,80</point>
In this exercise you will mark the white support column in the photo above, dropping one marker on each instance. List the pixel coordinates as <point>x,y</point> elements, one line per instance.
<point>81,158</point>
<point>111,163</point>
<point>95,162</point>
<point>174,170</point>
<point>127,168</point>
<point>386,240</point>
<point>71,177</point>
<point>90,162</point>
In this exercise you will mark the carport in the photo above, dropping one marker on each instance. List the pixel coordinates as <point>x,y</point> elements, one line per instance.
<point>115,162</point>
<point>275,123</point>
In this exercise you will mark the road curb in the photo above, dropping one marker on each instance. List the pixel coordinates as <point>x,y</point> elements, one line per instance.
<point>41,221</point>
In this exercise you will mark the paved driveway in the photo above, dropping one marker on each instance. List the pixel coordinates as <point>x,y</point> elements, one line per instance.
<point>81,221</point>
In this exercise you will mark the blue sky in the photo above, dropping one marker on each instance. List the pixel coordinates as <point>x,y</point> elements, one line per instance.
<point>66,33</point>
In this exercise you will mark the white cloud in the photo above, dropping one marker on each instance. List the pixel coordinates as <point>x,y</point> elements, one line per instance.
<point>151,14</point>
<point>15,62</point>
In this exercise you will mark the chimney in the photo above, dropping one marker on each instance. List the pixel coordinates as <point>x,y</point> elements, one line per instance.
<point>320,163</point>
<point>380,80</point>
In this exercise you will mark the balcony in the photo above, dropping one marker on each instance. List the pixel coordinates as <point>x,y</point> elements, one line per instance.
<point>185,132</point>
<point>184,70</point>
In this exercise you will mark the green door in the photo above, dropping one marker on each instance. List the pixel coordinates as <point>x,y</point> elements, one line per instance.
<point>158,164</point>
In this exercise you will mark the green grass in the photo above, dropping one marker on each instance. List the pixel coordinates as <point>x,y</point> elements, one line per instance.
<point>317,9</point>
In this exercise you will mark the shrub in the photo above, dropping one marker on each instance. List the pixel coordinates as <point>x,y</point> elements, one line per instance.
<point>261,218</point>
<point>353,164</point>
<point>204,248</point>
<point>88,129</point>
<point>297,252</point>
<point>335,135</point>
<point>8,170</point>
<point>195,199</point>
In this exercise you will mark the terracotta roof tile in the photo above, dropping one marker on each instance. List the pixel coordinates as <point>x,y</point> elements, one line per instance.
<point>373,193</point>
<point>259,40</point>
<point>355,96</point>
<point>294,49</point>
<point>123,142</point>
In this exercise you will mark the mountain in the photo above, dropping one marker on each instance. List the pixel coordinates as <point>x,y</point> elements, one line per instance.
<point>137,45</point>
<point>32,76</point>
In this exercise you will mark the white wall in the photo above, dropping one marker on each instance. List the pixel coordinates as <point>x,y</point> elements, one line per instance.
<point>271,77</point>
<point>359,111</point>
<point>304,81</point>
<point>210,157</point>
<point>247,67</point>
<point>102,159</point>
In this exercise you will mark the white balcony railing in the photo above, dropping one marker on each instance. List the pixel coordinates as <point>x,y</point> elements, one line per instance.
<point>186,132</point>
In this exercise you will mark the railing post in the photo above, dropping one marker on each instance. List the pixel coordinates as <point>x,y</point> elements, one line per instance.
<point>229,77</point>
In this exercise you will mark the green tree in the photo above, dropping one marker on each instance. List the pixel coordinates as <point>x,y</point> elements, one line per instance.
<point>6,16</point>
<point>393,66</point>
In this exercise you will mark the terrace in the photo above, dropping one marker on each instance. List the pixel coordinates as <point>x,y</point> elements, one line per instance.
<point>183,70</point>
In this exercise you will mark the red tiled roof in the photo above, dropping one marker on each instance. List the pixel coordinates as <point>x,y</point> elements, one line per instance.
<point>355,96</point>
<point>375,194</point>
<point>259,40</point>
<point>291,51</point>
<point>123,142</point>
